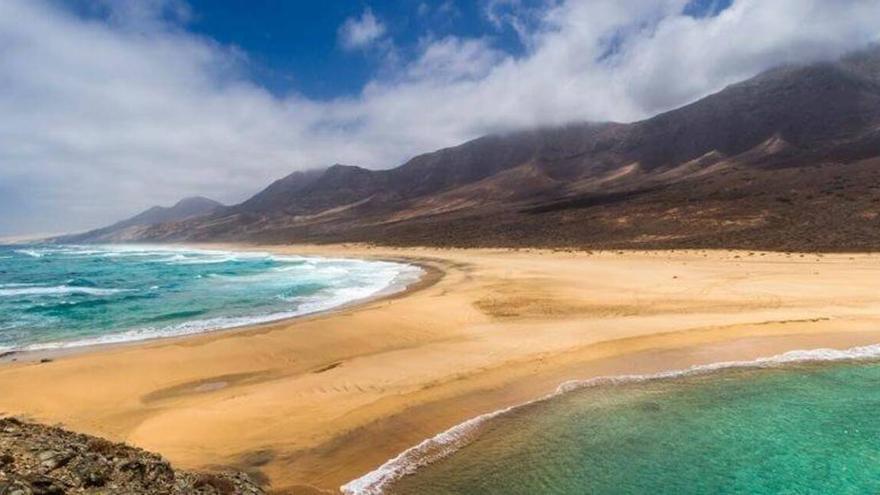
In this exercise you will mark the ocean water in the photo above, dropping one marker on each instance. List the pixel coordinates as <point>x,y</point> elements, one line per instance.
<point>801,423</point>
<point>62,296</point>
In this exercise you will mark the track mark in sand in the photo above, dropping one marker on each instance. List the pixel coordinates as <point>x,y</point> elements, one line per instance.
<point>802,320</point>
<point>344,388</point>
<point>205,385</point>
<point>250,463</point>
<point>256,458</point>
<point>308,490</point>
<point>506,300</point>
<point>328,367</point>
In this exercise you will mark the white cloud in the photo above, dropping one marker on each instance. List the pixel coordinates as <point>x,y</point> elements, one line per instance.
<point>361,32</point>
<point>515,15</point>
<point>453,59</point>
<point>103,119</point>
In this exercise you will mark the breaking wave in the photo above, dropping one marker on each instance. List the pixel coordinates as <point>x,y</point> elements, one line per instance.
<point>453,439</point>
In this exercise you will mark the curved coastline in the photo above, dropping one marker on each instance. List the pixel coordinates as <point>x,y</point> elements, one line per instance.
<point>402,284</point>
<point>318,401</point>
<point>446,443</point>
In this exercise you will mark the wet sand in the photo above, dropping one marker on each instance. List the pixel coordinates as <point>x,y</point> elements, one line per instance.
<point>311,403</point>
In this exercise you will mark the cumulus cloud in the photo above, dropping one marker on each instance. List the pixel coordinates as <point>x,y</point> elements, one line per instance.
<point>361,32</point>
<point>453,59</point>
<point>446,8</point>
<point>517,15</point>
<point>102,119</point>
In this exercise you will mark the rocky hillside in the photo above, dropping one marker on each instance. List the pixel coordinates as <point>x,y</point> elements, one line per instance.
<point>42,460</point>
<point>789,159</point>
<point>133,228</point>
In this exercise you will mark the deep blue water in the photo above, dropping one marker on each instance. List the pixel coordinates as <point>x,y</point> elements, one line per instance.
<point>58,296</point>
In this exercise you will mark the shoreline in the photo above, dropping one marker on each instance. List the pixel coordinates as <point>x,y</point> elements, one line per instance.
<point>450,441</point>
<point>320,401</point>
<point>427,277</point>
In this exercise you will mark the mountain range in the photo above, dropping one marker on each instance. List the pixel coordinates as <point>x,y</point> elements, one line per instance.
<point>787,160</point>
<point>137,226</point>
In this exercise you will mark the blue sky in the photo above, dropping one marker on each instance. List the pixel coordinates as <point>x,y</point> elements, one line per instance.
<point>112,106</point>
<point>294,46</point>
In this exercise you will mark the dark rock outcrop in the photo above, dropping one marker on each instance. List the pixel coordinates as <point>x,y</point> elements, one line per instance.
<point>44,460</point>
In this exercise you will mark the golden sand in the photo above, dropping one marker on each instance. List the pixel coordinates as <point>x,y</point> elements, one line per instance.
<point>313,402</point>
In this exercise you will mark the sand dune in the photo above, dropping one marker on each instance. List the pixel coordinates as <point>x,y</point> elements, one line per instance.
<point>317,401</point>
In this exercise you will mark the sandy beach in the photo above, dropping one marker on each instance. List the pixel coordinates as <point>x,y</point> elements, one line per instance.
<point>311,403</point>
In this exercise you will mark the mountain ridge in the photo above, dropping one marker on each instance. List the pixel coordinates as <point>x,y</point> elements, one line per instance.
<point>190,207</point>
<point>706,174</point>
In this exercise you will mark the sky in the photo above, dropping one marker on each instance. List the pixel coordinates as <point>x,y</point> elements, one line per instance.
<point>108,107</point>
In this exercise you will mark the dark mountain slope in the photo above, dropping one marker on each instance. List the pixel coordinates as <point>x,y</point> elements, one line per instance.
<point>282,192</point>
<point>183,209</point>
<point>811,108</point>
<point>132,228</point>
<point>785,160</point>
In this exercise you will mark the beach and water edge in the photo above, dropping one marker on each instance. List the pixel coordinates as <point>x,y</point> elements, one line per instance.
<point>274,287</point>
<point>324,401</point>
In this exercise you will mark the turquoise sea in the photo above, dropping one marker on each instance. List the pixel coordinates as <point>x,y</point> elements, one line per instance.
<point>800,423</point>
<point>61,296</point>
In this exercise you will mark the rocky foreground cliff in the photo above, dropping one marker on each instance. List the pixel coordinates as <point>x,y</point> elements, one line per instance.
<point>44,460</point>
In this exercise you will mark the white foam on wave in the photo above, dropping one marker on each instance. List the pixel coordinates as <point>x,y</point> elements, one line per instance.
<point>180,330</point>
<point>147,248</point>
<point>347,281</point>
<point>202,261</point>
<point>171,253</point>
<point>215,257</point>
<point>30,252</point>
<point>79,251</point>
<point>170,259</point>
<point>39,252</point>
<point>178,254</point>
<point>383,280</point>
<point>393,277</point>
<point>26,290</point>
<point>448,442</point>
